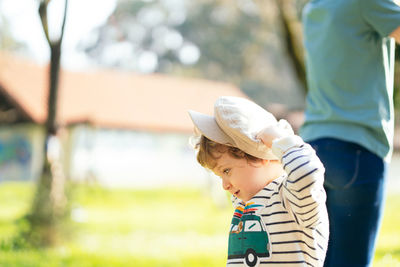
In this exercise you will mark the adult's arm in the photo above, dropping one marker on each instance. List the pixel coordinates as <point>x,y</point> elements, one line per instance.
<point>396,34</point>
<point>383,16</point>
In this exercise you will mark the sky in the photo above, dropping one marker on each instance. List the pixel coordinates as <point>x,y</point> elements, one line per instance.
<point>82,17</point>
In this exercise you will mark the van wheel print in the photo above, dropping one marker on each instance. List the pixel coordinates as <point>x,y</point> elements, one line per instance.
<point>251,257</point>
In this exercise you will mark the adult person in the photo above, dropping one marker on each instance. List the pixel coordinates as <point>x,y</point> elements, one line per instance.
<point>349,115</point>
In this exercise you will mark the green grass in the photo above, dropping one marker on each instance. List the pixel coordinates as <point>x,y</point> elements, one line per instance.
<point>388,247</point>
<point>163,227</point>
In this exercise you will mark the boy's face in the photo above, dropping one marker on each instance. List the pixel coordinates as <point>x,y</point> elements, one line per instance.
<point>242,178</point>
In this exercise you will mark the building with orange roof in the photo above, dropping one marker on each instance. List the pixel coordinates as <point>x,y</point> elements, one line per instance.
<point>123,127</point>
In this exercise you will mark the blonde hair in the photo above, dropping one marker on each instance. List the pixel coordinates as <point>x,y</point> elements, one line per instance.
<point>208,152</point>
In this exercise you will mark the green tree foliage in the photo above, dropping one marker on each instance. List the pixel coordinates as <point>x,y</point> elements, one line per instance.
<point>243,42</point>
<point>7,42</point>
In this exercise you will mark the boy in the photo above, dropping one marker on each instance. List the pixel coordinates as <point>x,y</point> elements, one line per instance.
<point>276,181</point>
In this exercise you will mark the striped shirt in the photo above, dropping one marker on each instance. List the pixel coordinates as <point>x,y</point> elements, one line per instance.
<point>286,223</point>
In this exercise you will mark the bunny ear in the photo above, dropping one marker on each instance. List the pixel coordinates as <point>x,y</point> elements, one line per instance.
<point>283,124</point>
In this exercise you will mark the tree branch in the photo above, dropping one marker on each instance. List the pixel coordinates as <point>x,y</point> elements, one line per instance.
<point>43,19</point>
<point>63,23</point>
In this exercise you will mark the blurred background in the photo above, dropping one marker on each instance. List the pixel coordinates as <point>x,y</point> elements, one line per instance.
<point>96,168</point>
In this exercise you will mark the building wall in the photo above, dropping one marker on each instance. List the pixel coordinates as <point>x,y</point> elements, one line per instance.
<point>116,158</point>
<point>136,159</point>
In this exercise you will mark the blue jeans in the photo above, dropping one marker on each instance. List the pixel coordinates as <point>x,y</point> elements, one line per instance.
<point>355,185</point>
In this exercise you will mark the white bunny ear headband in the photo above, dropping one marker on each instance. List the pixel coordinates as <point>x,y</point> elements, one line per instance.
<point>236,122</point>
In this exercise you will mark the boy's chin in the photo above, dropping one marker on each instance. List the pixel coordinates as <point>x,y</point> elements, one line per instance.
<point>244,198</point>
<point>247,197</point>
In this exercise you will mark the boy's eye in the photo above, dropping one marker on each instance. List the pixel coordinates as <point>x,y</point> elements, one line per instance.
<point>226,171</point>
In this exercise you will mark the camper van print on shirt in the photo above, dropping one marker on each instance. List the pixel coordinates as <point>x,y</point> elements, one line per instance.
<point>248,238</point>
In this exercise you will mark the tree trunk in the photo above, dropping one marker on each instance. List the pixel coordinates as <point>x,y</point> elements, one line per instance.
<point>55,56</point>
<point>49,205</point>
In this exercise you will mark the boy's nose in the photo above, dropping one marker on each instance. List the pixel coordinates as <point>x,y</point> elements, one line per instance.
<point>226,185</point>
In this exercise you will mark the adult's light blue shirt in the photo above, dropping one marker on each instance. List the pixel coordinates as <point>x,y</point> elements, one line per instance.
<point>350,72</point>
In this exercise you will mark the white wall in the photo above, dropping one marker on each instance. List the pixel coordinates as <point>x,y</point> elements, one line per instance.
<point>135,159</point>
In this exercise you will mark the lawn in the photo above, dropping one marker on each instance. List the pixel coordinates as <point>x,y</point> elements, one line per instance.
<point>162,227</point>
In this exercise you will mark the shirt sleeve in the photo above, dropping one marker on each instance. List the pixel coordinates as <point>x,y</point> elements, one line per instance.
<point>302,190</point>
<point>382,15</point>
